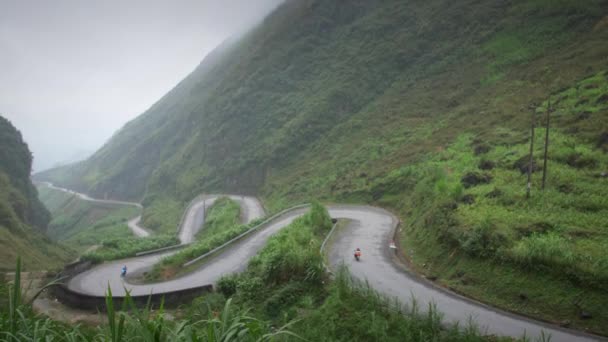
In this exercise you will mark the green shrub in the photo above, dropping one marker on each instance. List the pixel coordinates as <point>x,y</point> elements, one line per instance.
<point>251,287</point>
<point>227,285</point>
<point>284,297</point>
<point>319,219</point>
<point>483,240</point>
<point>206,306</point>
<point>292,254</point>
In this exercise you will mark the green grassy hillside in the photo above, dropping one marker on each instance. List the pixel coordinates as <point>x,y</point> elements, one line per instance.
<point>81,224</point>
<point>23,219</point>
<point>97,231</point>
<point>421,107</point>
<point>369,85</point>
<point>143,143</point>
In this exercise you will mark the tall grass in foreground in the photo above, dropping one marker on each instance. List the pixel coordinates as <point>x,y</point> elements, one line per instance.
<point>19,323</point>
<point>285,286</point>
<point>353,310</point>
<point>366,315</point>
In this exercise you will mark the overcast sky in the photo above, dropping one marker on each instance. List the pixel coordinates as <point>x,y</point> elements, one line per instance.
<point>73,72</point>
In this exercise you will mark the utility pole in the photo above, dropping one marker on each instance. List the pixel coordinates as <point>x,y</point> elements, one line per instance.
<point>549,110</point>
<point>529,185</point>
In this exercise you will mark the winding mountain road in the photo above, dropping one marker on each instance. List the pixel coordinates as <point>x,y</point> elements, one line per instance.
<point>133,224</point>
<point>369,228</point>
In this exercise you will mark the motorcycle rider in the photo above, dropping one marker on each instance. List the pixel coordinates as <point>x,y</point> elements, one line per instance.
<point>123,271</point>
<point>357,254</point>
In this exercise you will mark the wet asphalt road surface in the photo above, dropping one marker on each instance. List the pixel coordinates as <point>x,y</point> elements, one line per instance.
<point>372,229</point>
<point>97,280</point>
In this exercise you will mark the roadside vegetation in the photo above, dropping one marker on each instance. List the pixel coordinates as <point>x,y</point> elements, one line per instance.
<point>313,105</point>
<point>171,266</point>
<point>221,225</point>
<point>163,215</point>
<point>286,282</point>
<point>225,213</point>
<point>113,249</point>
<point>466,218</point>
<point>18,322</point>
<point>284,295</point>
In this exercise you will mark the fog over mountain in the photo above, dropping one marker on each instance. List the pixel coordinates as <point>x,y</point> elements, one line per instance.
<point>74,72</point>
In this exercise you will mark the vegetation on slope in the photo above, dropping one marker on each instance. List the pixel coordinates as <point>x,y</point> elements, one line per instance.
<point>18,322</point>
<point>23,219</point>
<point>123,166</point>
<point>285,283</point>
<point>121,248</point>
<point>21,204</point>
<point>171,266</point>
<point>163,215</point>
<point>322,93</point>
<point>225,213</point>
<point>337,100</point>
<point>36,250</point>
<point>470,224</point>
<point>81,224</point>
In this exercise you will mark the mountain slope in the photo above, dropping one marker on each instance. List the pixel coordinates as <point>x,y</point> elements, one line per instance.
<point>423,108</point>
<point>23,218</point>
<point>319,73</point>
<point>143,143</point>
<point>15,169</point>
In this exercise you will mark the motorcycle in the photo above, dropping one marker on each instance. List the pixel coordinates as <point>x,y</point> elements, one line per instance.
<point>123,272</point>
<point>357,255</point>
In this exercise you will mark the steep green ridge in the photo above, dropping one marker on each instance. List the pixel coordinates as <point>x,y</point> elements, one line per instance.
<point>143,143</point>
<point>15,169</point>
<point>368,86</point>
<point>393,103</point>
<point>23,219</point>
